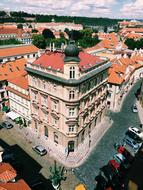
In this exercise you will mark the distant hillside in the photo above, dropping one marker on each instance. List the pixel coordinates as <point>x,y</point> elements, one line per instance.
<point>25,17</point>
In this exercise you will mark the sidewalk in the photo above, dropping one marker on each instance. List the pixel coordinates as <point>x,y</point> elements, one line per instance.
<point>140,111</point>
<point>74,159</point>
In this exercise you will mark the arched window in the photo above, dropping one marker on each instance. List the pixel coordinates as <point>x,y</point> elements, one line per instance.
<point>71,94</point>
<point>72,72</point>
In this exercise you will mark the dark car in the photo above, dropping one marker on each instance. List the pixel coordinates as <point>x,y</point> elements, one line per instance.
<point>101,182</point>
<point>8,156</point>
<point>133,136</point>
<point>112,175</point>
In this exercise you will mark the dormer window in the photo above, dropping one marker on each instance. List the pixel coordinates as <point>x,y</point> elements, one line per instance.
<point>72,72</point>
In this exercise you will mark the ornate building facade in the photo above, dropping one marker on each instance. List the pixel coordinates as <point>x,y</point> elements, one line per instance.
<point>68,94</point>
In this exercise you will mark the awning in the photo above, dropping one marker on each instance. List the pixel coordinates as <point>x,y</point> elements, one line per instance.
<point>13,115</point>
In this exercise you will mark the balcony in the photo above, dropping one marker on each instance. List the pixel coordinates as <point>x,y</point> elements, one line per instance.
<point>35,103</point>
<point>44,108</point>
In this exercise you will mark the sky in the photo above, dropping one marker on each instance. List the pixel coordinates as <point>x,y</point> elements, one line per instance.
<point>132,9</point>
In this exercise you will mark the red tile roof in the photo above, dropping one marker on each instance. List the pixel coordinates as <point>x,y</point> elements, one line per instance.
<point>20,81</point>
<point>12,69</point>
<point>19,50</point>
<point>19,185</point>
<point>111,41</point>
<point>55,60</point>
<point>117,72</point>
<point>7,173</point>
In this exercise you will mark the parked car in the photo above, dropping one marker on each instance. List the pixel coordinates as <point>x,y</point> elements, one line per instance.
<point>114,164</point>
<point>111,175</point>
<point>133,136</point>
<point>40,150</point>
<point>7,125</point>
<point>8,156</point>
<point>101,182</point>
<point>132,143</point>
<point>137,131</point>
<point>134,108</point>
<point>121,159</point>
<point>126,153</point>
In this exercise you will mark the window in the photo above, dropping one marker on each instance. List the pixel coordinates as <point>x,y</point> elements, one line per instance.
<point>71,112</point>
<point>72,72</point>
<point>44,100</point>
<point>55,137</point>
<point>46,131</point>
<point>54,87</point>
<point>55,105</point>
<point>71,94</point>
<point>36,125</point>
<point>46,116</point>
<point>44,85</point>
<point>71,128</point>
<point>55,121</point>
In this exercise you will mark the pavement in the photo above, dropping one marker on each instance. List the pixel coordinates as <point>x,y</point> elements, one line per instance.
<point>34,164</point>
<point>99,154</point>
<point>140,111</point>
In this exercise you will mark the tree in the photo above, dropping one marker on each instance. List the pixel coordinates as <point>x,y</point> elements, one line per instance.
<point>9,42</point>
<point>105,29</point>
<point>57,175</point>
<point>39,41</point>
<point>20,26</point>
<point>75,35</point>
<point>58,42</point>
<point>30,26</point>
<point>132,44</point>
<point>47,33</point>
<point>34,31</point>
<point>88,41</point>
<point>87,32</point>
<point>2,13</point>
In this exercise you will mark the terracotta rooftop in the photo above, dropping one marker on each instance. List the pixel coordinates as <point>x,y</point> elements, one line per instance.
<point>10,70</point>
<point>110,41</point>
<point>55,61</point>
<point>122,67</point>
<point>7,173</point>
<point>129,30</point>
<point>19,185</point>
<point>19,50</point>
<point>20,81</point>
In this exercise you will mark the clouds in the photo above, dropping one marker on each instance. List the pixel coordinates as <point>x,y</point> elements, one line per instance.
<point>91,8</point>
<point>133,9</point>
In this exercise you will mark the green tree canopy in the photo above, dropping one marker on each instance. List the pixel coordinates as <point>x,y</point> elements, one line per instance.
<point>47,33</point>
<point>20,26</point>
<point>132,44</point>
<point>39,41</point>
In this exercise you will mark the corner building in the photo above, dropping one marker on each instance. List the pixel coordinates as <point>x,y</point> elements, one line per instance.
<point>68,96</point>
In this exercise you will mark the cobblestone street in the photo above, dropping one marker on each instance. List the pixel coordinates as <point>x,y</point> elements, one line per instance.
<point>99,157</point>
<point>105,150</point>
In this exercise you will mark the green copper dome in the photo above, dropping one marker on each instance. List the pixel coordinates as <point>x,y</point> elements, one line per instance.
<point>71,53</point>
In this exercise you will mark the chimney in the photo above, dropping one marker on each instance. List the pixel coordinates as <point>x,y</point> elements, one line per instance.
<point>50,47</point>
<point>54,47</point>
